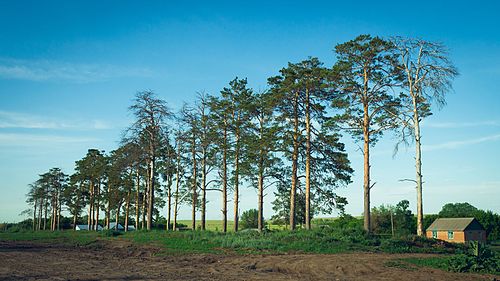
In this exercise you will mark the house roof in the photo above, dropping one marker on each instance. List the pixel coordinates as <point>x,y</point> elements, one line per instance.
<point>459,224</point>
<point>86,227</point>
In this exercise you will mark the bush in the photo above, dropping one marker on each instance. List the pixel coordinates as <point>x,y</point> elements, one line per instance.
<point>477,258</point>
<point>250,219</point>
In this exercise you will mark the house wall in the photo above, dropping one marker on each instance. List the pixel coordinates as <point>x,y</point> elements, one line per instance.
<point>458,236</point>
<point>475,235</point>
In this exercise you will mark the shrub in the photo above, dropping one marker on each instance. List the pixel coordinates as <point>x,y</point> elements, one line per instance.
<point>475,259</point>
<point>250,219</point>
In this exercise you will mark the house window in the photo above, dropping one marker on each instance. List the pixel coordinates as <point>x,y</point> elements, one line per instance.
<point>434,234</point>
<point>450,234</point>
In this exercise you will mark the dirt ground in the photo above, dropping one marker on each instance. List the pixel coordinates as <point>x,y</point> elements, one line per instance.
<point>123,261</point>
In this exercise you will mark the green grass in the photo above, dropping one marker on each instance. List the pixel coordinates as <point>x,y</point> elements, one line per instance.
<point>321,241</point>
<point>60,237</point>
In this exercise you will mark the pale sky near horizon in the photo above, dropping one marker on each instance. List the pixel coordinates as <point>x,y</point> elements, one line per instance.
<point>69,70</point>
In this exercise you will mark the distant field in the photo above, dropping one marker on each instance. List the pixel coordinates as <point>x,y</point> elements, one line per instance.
<point>216,225</point>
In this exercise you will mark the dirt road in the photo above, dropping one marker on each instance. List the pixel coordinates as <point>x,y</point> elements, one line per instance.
<point>123,261</point>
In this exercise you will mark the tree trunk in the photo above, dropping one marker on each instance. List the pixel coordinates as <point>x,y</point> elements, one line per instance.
<point>195,195</point>
<point>117,218</point>
<point>236,182</point>
<point>294,161</point>
<point>418,166</point>
<point>151,192</point>
<point>40,208</point>
<point>308,162</point>
<point>89,218</point>
<point>224,180</point>
<point>366,183</point>
<point>45,214</point>
<point>127,208</point>
<point>59,207</point>
<point>143,205</point>
<point>177,183</point>
<point>138,181</point>
<point>34,214</point>
<point>98,192</point>
<point>203,188</point>
<point>75,217</point>
<point>108,208</point>
<point>260,225</point>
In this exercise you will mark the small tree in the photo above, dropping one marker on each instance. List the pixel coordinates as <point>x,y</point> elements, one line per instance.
<point>250,219</point>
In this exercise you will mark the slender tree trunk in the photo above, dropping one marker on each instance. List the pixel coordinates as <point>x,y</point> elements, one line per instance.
<point>34,214</point>
<point>117,218</point>
<point>177,184</point>
<point>195,195</point>
<point>143,205</point>
<point>236,182</point>
<point>89,218</point>
<point>294,161</point>
<point>308,162</point>
<point>127,208</point>
<point>260,219</point>
<point>75,218</point>
<point>366,183</point>
<point>108,208</point>
<point>224,180</point>
<point>59,207</point>
<point>52,216</point>
<point>45,214</point>
<point>203,188</point>
<point>40,208</point>
<point>151,193</point>
<point>260,225</point>
<point>418,166</point>
<point>138,181</point>
<point>169,205</point>
<point>98,192</point>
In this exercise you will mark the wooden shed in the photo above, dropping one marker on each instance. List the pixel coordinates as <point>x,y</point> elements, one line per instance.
<point>458,230</point>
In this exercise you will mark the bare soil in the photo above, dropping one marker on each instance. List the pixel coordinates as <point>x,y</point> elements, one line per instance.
<point>120,260</point>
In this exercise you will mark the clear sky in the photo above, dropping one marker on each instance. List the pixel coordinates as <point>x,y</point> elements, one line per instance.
<point>69,69</point>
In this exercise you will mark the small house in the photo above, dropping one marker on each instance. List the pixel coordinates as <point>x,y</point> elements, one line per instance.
<point>86,227</point>
<point>113,226</point>
<point>458,230</point>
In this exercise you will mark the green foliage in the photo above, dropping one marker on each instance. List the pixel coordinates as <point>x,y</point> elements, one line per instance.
<point>475,259</point>
<point>319,240</point>
<point>485,261</point>
<point>249,219</point>
<point>402,218</point>
<point>490,220</point>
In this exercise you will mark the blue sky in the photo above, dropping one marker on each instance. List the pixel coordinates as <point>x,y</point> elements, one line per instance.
<point>69,69</point>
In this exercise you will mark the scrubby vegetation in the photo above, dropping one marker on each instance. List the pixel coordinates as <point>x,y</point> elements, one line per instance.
<point>466,260</point>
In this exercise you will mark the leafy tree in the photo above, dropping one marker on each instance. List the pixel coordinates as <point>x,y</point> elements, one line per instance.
<point>364,73</point>
<point>304,90</point>
<point>249,219</point>
<point>457,210</point>
<point>91,170</point>
<point>263,144</point>
<point>221,115</point>
<point>151,115</point>
<point>238,96</point>
<point>388,219</point>
<point>428,75</point>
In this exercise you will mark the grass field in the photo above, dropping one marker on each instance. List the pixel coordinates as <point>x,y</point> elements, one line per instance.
<point>216,225</point>
<point>315,241</point>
